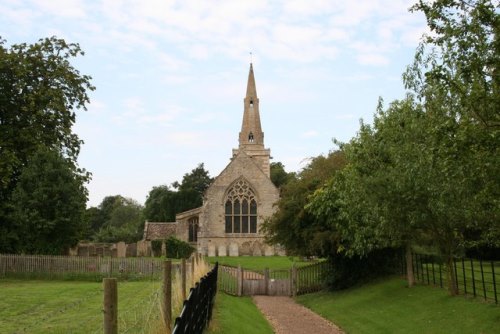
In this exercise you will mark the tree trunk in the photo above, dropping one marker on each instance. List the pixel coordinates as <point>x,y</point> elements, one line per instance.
<point>452,282</point>
<point>409,266</point>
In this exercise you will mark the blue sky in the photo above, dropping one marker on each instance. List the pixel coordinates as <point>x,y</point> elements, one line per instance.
<point>171,77</point>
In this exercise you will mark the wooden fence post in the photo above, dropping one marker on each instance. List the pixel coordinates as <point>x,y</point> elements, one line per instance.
<point>193,262</point>
<point>266,281</point>
<point>183,278</point>
<point>110,306</point>
<point>240,281</point>
<point>167,294</point>
<point>293,283</point>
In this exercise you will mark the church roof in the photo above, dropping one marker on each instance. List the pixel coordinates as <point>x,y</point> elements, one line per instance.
<point>157,230</point>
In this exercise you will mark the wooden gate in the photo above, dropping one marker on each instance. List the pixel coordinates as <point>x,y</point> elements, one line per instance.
<point>240,282</point>
<point>284,282</point>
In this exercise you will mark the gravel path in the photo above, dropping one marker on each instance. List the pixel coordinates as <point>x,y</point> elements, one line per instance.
<point>288,317</point>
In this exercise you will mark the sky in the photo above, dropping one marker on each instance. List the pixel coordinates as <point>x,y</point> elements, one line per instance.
<point>170,77</point>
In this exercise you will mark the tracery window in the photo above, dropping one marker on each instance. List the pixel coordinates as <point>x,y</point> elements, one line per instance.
<point>241,209</point>
<point>193,229</point>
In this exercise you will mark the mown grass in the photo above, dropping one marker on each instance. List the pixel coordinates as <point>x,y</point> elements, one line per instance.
<point>73,307</point>
<point>470,279</point>
<point>259,262</point>
<point>388,306</point>
<point>237,315</point>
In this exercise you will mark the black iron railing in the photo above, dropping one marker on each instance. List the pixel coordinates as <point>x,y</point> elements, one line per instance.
<point>197,309</point>
<point>472,277</point>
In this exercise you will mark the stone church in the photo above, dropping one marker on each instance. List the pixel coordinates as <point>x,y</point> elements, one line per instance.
<point>237,202</point>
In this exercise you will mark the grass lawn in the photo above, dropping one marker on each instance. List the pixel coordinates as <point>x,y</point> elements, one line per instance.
<point>388,306</point>
<point>237,315</point>
<point>72,307</point>
<point>259,262</point>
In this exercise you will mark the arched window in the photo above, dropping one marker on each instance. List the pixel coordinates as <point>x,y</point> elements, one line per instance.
<point>250,137</point>
<point>241,209</point>
<point>193,229</point>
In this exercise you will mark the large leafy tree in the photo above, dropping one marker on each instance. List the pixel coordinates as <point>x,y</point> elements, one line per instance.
<point>279,175</point>
<point>40,92</point>
<point>456,76</point>
<point>163,203</point>
<point>428,172</point>
<point>123,220</point>
<point>48,204</point>
<point>292,226</point>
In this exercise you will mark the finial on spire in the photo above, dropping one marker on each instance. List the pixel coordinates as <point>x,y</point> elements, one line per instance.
<point>251,57</point>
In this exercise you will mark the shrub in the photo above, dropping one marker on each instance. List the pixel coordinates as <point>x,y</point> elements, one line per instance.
<point>350,271</point>
<point>156,247</point>
<point>178,249</point>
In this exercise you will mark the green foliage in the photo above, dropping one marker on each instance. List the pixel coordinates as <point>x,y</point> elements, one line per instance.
<point>48,204</point>
<point>124,220</point>
<point>292,225</point>
<point>163,203</point>
<point>428,171</point>
<point>40,92</point>
<point>198,180</point>
<point>156,247</point>
<point>355,270</point>
<point>460,58</point>
<point>178,249</point>
<point>278,174</point>
<point>388,306</point>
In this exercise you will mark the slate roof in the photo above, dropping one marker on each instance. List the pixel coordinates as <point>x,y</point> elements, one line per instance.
<point>156,230</point>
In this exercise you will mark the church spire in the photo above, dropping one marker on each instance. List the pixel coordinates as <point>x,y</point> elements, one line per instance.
<point>251,131</point>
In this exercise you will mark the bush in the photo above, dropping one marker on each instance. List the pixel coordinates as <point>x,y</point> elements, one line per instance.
<point>350,271</point>
<point>156,247</point>
<point>178,249</point>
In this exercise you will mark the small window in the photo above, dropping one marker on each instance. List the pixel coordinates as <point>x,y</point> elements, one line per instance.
<point>250,137</point>
<point>251,103</point>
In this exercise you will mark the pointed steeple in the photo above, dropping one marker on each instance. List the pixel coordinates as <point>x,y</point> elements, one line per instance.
<point>251,131</point>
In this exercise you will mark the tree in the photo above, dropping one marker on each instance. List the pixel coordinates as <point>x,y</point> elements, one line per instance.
<point>292,225</point>
<point>40,92</point>
<point>125,221</point>
<point>378,200</point>
<point>164,203</point>
<point>278,174</point>
<point>461,57</point>
<point>48,204</point>
<point>198,180</point>
<point>455,74</point>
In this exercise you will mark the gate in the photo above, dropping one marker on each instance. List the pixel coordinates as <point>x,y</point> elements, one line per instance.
<point>271,282</point>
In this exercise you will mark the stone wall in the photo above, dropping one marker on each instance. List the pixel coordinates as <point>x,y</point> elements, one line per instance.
<point>120,249</point>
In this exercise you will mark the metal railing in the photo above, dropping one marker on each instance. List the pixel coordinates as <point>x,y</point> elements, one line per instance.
<point>472,277</point>
<point>197,309</point>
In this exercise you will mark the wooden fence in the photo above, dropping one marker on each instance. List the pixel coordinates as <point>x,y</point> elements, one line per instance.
<point>313,277</point>
<point>45,266</point>
<point>273,282</point>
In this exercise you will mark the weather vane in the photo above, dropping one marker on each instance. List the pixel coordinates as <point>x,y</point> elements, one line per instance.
<point>251,58</point>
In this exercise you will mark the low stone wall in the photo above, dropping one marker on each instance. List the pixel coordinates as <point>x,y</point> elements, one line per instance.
<point>120,249</point>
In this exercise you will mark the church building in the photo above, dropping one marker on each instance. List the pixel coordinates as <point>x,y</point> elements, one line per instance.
<point>237,202</point>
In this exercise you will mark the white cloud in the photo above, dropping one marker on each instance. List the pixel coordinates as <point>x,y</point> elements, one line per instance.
<point>373,59</point>
<point>185,138</point>
<point>66,8</point>
<point>172,63</point>
<point>309,134</point>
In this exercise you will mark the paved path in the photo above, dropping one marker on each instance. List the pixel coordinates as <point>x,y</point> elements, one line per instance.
<point>288,317</point>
